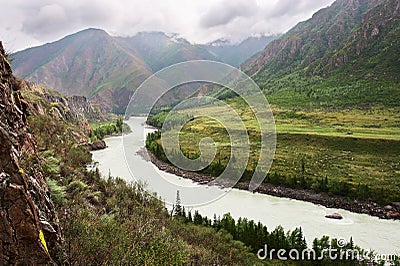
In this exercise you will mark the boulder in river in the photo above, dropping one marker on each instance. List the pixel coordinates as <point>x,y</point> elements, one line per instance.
<point>388,208</point>
<point>393,215</point>
<point>336,216</point>
<point>396,205</point>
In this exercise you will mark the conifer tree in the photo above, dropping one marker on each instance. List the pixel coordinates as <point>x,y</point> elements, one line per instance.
<point>178,206</point>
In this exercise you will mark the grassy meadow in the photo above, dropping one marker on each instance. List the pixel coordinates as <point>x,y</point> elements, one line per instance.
<point>353,153</point>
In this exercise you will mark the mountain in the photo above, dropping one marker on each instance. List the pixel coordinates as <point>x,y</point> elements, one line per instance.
<point>160,50</point>
<point>346,54</point>
<point>89,63</point>
<point>236,54</point>
<point>108,69</point>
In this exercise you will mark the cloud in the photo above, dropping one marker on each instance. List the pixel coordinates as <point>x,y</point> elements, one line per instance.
<point>28,23</point>
<point>227,11</point>
<point>48,19</point>
<point>293,8</point>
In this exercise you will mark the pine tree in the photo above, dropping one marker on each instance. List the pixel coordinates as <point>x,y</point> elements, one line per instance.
<point>351,243</point>
<point>178,206</point>
<point>189,217</point>
<point>197,218</point>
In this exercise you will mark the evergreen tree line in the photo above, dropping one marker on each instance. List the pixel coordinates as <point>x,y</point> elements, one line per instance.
<point>256,236</point>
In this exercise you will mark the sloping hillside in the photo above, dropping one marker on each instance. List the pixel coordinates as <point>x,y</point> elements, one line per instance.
<point>346,55</point>
<point>89,63</point>
<point>108,69</point>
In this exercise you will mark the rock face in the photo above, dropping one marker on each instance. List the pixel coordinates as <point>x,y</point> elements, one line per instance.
<point>59,106</point>
<point>75,107</point>
<point>79,105</point>
<point>29,229</point>
<point>349,32</point>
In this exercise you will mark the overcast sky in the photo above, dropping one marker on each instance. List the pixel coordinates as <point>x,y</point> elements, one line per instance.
<point>27,23</point>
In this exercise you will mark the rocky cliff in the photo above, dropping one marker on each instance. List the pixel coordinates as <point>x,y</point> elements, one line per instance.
<point>69,108</point>
<point>360,34</point>
<point>346,56</point>
<point>29,228</point>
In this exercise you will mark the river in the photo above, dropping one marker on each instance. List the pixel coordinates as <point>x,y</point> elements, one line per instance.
<point>368,232</point>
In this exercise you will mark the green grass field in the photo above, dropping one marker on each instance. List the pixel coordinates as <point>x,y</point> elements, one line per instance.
<point>351,147</point>
<point>374,124</point>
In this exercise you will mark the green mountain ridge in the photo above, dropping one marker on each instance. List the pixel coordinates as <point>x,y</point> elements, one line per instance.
<point>160,50</point>
<point>108,69</point>
<point>89,63</point>
<point>346,55</point>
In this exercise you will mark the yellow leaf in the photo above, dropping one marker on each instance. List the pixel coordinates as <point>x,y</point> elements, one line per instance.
<point>41,237</point>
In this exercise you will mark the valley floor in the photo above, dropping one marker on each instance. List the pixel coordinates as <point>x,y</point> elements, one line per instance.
<point>346,159</point>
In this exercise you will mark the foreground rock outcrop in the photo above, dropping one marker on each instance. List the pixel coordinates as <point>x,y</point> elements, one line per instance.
<point>45,100</point>
<point>29,228</point>
<point>98,145</point>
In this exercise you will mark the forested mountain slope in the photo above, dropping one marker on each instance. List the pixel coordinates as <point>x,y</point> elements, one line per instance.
<point>346,54</point>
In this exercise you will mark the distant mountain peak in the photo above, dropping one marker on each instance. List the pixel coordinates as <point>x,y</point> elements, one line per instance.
<point>90,31</point>
<point>94,30</point>
<point>108,69</point>
<point>220,42</point>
